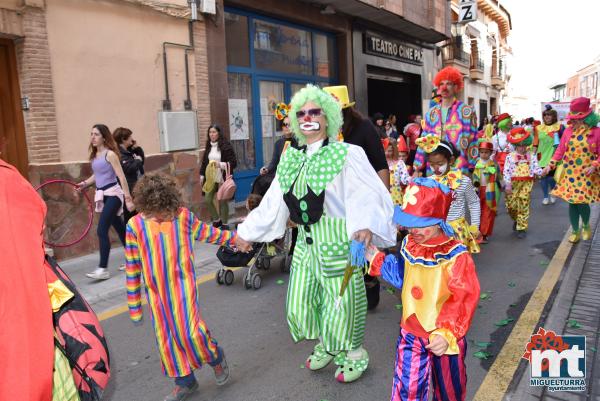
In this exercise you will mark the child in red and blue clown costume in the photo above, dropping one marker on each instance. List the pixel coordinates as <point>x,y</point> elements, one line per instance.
<point>440,291</point>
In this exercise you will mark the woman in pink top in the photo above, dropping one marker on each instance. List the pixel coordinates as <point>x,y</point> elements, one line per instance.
<point>104,157</point>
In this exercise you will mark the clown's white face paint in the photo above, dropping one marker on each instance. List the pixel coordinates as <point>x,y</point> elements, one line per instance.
<point>441,170</point>
<point>310,126</point>
<point>313,128</point>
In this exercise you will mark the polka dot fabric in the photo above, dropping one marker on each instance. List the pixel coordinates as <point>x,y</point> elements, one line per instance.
<point>575,186</point>
<point>321,168</point>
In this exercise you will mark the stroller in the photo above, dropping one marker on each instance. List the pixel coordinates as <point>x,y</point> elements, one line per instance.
<point>260,258</point>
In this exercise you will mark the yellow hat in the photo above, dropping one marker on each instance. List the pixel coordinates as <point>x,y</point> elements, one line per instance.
<point>340,93</point>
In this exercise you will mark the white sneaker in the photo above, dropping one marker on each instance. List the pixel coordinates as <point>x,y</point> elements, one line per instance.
<point>552,200</point>
<point>545,201</point>
<point>99,274</point>
<point>122,267</point>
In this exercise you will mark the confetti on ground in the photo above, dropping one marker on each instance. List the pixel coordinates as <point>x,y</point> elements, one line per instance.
<point>512,305</point>
<point>544,263</point>
<point>482,355</point>
<point>302,366</point>
<point>593,349</point>
<point>504,322</point>
<point>399,306</point>
<point>511,284</point>
<point>485,295</point>
<point>390,290</point>
<point>574,324</point>
<point>280,282</point>
<point>479,305</point>
<point>483,345</point>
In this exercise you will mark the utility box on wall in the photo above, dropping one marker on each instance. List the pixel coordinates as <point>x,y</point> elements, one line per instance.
<point>178,130</point>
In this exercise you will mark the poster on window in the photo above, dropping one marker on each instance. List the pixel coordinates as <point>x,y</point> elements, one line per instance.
<point>238,119</point>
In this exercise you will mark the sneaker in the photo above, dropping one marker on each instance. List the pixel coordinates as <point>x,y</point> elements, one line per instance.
<point>181,393</point>
<point>221,371</point>
<point>546,201</point>
<point>552,199</point>
<point>99,274</point>
<point>122,267</point>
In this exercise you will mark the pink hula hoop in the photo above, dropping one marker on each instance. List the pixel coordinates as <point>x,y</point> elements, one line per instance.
<point>90,212</point>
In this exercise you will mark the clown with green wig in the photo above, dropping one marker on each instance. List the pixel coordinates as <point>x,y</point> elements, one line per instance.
<point>329,189</point>
<point>520,170</point>
<point>500,140</point>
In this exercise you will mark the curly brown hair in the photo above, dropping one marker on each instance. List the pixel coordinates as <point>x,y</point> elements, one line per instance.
<point>157,194</point>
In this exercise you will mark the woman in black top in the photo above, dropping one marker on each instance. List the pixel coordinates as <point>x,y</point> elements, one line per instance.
<point>217,150</point>
<point>132,161</point>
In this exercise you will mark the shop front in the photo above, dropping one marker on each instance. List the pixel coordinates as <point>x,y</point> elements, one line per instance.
<point>392,75</point>
<point>268,60</point>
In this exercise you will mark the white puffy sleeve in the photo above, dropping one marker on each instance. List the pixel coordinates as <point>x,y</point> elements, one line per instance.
<point>367,201</point>
<point>269,220</point>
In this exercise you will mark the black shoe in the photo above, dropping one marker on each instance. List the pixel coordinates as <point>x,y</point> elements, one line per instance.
<point>217,224</point>
<point>522,234</point>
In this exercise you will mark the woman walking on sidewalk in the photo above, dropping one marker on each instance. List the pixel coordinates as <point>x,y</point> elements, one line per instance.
<point>578,183</point>
<point>104,157</point>
<point>218,157</point>
<point>132,161</point>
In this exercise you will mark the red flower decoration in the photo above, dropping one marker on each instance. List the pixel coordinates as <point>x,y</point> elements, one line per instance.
<point>542,341</point>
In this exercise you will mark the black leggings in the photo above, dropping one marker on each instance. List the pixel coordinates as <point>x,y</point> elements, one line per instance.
<point>109,217</point>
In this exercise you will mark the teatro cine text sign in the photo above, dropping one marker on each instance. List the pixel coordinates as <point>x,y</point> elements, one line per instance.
<point>390,48</point>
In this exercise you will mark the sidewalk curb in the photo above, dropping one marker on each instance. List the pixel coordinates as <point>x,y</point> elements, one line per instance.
<point>502,371</point>
<point>556,317</point>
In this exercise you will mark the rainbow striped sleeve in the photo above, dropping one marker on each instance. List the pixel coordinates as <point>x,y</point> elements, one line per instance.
<point>207,233</point>
<point>133,273</point>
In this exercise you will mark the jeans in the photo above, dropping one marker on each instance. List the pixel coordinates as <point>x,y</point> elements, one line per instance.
<point>109,217</point>
<point>190,380</point>
<point>548,185</point>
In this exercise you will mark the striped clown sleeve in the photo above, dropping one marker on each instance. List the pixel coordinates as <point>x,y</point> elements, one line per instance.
<point>207,233</point>
<point>133,274</point>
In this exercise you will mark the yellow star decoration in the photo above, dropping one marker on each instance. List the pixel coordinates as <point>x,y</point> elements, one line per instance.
<point>409,196</point>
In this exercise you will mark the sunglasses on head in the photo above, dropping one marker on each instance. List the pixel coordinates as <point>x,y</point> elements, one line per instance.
<point>310,112</point>
<point>285,125</point>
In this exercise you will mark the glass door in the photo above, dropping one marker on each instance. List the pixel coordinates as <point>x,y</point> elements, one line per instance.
<point>271,92</point>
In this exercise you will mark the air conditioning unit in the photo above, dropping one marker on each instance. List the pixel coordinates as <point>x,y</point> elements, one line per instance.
<point>178,130</point>
<point>208,7</point>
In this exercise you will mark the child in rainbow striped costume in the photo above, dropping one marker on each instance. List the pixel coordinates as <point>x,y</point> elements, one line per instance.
<point>440,291</point>
<point>159,247</point>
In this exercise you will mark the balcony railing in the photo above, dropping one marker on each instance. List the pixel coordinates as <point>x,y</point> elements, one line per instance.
<point>456,57</point>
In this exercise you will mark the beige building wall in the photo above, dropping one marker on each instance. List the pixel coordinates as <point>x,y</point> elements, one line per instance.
<point>107,67</point>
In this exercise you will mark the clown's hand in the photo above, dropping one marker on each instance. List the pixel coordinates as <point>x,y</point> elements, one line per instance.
<point>370,252</point>
<point>364,235</point>
<point>438,345</point>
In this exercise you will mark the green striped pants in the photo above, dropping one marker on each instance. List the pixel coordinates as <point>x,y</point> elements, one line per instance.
<point>314,308</point>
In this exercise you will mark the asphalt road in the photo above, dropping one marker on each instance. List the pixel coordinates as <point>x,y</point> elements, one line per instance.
<point>266,365</point>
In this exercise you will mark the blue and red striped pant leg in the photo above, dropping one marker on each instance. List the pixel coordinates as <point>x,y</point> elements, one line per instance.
<point>415,365</point>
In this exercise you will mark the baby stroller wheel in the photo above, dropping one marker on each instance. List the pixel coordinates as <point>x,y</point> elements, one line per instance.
<point>219,277</point>
<point>228,277</point>
<point>256,281</point>
<point>248,281</point>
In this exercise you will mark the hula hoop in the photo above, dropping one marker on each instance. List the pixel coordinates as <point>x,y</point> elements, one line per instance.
<point>90,212</point>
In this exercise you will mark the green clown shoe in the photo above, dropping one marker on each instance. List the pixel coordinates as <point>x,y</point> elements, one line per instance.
<point>350,370</point>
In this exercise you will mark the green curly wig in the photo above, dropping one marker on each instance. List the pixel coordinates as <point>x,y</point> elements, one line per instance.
<point>327,103</point>
<point>503,125</point>
<point>592,120</point>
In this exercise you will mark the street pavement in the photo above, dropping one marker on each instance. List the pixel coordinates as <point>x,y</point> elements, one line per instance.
<point>265,363</point>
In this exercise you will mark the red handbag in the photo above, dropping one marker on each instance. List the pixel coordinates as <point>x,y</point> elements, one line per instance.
<point>227,188</point>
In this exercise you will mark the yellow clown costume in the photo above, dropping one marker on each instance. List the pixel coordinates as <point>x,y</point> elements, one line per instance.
<point>520,170</point>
